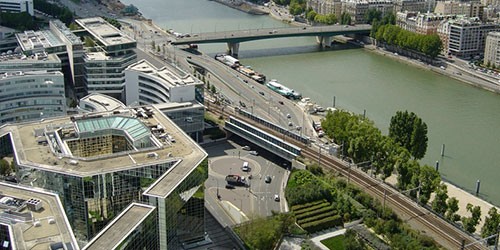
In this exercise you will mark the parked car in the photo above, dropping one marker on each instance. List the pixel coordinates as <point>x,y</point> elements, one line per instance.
<point>262,93</point>
<point>276,197</point>
<point>268,179</point>
<point>253,153</point>
<point>245,147</point>
<point>281,102</point>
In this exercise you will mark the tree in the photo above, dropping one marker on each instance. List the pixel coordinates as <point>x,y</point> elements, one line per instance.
<point>212,89</point>
<point>491,223</point>
<point>373,14</point>
<point>345,18</point>
<point>429,180</point>
<point>439,204</point>
<point>470,223</point>
<point>452,209</point>
<point>311,15</point>
<point>88,42</point>
<point>409,131</point>
<point>5,167</point>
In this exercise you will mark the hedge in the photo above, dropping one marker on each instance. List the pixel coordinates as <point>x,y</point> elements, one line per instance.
<point>314,213</point>
<point>305,210</point>
<point>317,217</point>
<point>325,223</point>
<point>306,205</point>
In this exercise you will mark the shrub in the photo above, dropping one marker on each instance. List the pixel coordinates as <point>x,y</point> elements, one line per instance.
<point>317,217</point>
<point>325,223</point>
<point>300,206</point>
<point>313,213</point>
<point>305,210</point>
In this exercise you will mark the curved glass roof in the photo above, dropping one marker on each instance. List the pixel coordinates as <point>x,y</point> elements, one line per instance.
<point>134,127</point>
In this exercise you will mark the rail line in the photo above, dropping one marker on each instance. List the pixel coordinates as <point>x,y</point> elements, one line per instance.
<point>430,221</point>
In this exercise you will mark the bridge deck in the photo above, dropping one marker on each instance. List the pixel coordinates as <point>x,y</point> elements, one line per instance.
<point>237,36</point>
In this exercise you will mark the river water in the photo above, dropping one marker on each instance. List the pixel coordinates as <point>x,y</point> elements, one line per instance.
<point>464,118</point>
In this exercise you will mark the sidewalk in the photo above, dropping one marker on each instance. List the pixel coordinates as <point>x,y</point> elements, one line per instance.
<point>317,240</point>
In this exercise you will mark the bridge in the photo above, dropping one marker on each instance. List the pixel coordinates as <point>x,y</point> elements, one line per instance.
<point>233,39</point>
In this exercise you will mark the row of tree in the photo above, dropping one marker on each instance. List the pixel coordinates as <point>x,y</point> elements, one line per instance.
<point>406,142</point>
<point>429,45</point>
<point>62,13</point>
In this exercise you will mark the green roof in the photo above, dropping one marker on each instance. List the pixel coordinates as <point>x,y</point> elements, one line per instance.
<point>132,126</point>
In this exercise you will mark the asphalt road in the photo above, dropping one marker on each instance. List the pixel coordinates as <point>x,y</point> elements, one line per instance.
<point>255,199</point>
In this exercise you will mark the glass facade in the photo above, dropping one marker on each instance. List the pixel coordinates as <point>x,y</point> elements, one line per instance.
<point>143,237</point>
<point>190,120</point>
<point>91,202</point>
<point>182,213</point>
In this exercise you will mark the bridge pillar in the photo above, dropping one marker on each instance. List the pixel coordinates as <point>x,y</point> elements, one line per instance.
<point>324,41</point>
<point>233,49</point>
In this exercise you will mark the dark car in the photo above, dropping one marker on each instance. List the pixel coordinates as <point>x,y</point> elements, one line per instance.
<point>281,102</point>
<point>243,104</point>
<point>229,186</point>
<point>268,179</point>
<point>262,93</point>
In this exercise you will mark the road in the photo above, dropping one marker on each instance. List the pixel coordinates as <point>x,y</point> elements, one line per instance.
<point>86,8</point>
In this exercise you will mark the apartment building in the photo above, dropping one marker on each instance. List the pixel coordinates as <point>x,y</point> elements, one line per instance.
<point>420,23</point>
<point>492,49</point>
<point>326,7</point>
<point>357,9</point>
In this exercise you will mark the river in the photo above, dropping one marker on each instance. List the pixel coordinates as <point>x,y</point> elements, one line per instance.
<point>464,118</point>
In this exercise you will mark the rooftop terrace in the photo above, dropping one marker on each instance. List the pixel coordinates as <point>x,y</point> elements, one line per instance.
<point>35,218</point>
<point>106,33</point>
<point>166,75</point>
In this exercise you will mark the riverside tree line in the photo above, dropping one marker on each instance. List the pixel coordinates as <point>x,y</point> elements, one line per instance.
<point>398,153</point>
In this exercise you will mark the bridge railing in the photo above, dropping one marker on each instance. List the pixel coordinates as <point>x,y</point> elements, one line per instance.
<point>287,132</point>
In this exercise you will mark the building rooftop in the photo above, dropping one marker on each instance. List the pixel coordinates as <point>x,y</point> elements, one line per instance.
<point>61,27</point>
<point>122,226</point>
<point>164,74</point>
<point>55,144</point>
<point>19,58</point>
<point>101,102</point>
<point>35,218</point>
<point>177,105</point>
<point>38,40</point>
<point>14,74</point>
<point>106,33</point>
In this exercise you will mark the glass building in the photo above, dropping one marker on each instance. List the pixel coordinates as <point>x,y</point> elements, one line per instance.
<point>100,163</point>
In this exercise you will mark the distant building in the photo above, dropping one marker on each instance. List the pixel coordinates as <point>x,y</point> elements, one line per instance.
<point>468,9</point>
<point>31,218</point>
<point>326,7</point>
<point>420,23</point>
<point>357,9</point>
<point>104,69</point>
<point>492,49</point>
<point>100,163</point>
<point>147,84</point>
<point>412,5</point>
<point>29,95</point>
<point>17,6</point>
<point>466,37</point>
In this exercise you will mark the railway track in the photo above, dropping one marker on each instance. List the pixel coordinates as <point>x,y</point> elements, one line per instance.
<point>438,226</point>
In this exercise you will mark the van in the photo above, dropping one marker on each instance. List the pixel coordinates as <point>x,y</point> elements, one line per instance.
<point>245,167</point>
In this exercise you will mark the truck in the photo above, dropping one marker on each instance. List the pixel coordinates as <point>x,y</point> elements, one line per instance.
<point>235,180</point>
<point>228,60</point>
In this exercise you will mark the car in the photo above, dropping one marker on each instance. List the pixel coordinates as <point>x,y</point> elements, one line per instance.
<point>276,197</point>
<point>262,93</point>
<point>245,81</point>
<point>253,153</point>
<point>298,128</point>
<point>245,147</point>
<point>281,102</point>
<point>189,57</point>
<point>347,26</point>
<point>290,124</point>
<point>268,179</point>
<point>304,28</point>
<point>288,116</point>
<point>229,186</point>
<point>243,104</point>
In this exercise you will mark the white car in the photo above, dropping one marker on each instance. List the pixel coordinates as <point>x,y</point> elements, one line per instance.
<point>253,153</point>
<point>276,197</point>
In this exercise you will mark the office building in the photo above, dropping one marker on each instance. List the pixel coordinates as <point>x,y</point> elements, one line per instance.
<point>467,36</point>
<point>147,84</point>
<point>29,95</point>
<point>189,116</point>
<point>135,228</point>
<point>17,6</point>
<point>31,218</point>
<point>114,52</point>
<point>100,163</point>
<point>492,49</point>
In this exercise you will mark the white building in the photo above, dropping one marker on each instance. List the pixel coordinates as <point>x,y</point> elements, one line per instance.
<point>17,6</point>
<point>146,84</point>
<point>31,95</point>
<point>492,49</point>
<point>104,69</point>
<point>99,103</point>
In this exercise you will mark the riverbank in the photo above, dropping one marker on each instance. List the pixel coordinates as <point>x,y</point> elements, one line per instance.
<point>450,70</point>
<point>244,6</point>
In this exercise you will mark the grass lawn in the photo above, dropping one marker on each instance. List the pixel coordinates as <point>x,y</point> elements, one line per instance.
<point>334,243</point>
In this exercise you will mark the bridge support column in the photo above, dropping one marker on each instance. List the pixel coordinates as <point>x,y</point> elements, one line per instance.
<point>324,41</point>
<point>233,49</point>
